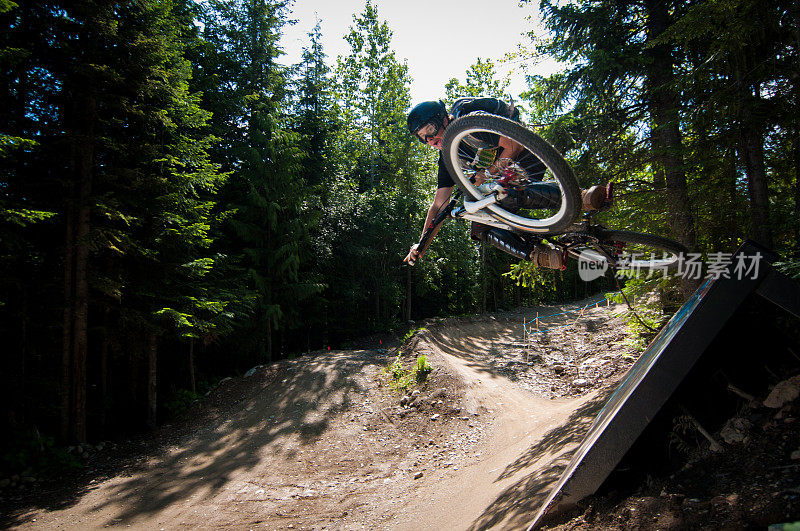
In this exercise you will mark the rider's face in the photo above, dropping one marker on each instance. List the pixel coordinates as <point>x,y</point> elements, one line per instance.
<point>432,135</point>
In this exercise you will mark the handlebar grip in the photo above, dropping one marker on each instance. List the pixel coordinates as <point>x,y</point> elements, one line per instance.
<point>412,261</point>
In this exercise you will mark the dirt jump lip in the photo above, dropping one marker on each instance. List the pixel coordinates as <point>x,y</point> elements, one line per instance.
<point>534,431</point>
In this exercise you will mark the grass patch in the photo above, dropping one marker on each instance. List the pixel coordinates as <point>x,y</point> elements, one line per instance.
<point>411,333</point>
<point>403,379</point>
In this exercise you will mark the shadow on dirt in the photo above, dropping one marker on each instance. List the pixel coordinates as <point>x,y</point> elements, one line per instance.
<point>291,401</point>
<point>515,507</point>
<point>457,338</point>
<point>499,335</point>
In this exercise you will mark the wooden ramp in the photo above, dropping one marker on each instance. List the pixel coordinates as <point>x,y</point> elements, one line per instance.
<point>666,363</point>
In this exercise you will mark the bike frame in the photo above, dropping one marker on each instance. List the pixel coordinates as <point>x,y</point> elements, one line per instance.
<point>476,211</point>
<point>461,212</point>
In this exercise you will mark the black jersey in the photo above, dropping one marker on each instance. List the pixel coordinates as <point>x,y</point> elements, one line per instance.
<point>464,106</point>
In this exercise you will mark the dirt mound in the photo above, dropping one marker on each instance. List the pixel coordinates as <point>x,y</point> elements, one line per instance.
<point>324,441</point>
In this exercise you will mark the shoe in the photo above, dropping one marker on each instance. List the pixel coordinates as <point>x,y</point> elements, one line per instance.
<point>546,256</point>
<point>597,197</point>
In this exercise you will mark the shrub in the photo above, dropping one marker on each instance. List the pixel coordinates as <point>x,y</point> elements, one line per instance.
<point>179,405</point>
<point>31,451</point>
<point>411,333</point>
<point>423,369</point>
<point>403,379</point>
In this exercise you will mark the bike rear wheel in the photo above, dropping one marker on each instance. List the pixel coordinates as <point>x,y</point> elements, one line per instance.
<point>632,251</point>
<point>467,152</point>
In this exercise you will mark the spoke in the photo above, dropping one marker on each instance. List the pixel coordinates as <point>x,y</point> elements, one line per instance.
<point>471,153</point>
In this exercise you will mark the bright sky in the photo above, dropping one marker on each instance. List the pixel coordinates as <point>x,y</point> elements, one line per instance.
<point>439,39</point>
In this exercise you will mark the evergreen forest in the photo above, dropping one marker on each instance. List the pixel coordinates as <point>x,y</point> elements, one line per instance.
<point>178,205</point>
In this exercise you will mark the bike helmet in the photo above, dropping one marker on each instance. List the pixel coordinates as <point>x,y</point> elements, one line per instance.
<point>425,113</point>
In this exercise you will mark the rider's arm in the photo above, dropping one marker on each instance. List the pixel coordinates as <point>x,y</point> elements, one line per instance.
<point>440,199</point>
<point>510,148</point>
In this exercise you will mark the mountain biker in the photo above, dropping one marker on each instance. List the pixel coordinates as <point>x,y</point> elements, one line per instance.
<point>429,120</point>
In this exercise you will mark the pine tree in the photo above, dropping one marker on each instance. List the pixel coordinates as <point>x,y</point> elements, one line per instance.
<point>143,195</point>
<point>265,189</point>
<point>480,81</point>
<point>613,91</point>
<point>735,51</point>
<point>373,94</point>
<point>31,173</point>
<point>380,158</point>
<point>316,113</point>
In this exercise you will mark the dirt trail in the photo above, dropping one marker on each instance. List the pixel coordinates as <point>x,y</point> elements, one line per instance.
<point>490,492</point>
<point>529,447</point>
<point>320,442</point>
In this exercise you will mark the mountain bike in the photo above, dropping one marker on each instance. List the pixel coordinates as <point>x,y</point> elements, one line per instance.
<point>488,185</point>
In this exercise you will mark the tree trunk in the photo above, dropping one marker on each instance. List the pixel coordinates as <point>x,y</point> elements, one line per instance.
<point>152,382</point>
<point>796,16</point>
<point>268,341</point>
<point>408,295</point>
<point>80,339</point>
<point>665,135</point>
<point>483,278</point>
<point>104,350</point>
<point>134,379</point>
<point>377,301</point>
<point>68,323</point>
<point>192,381</point>
<point>752,146</point>
<point>797,188</point>
<point>731,177</point>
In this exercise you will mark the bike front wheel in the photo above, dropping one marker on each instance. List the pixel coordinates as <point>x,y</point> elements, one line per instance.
<point>632,251</point>
<point>471,155</point>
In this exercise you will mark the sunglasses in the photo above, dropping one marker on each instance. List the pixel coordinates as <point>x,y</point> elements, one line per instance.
<point>424,133</point>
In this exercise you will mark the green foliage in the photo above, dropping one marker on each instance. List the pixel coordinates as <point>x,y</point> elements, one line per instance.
<point>373,93</point>
<point>253,210</point>
<point>698,72</point>
<point>526,274</point>
<point>411,333</point>
<point>404,379</point>
<point>7,5</point>
<point>396,370</point>
<point>316,114</point>
<point>423,368</point>
<point>181,403</point>
<point>265,231</point>
<point>35,454</point>
<point>651,302</point>
<point>480,81</point>
<point>25,217</point>
<point>790,268</point>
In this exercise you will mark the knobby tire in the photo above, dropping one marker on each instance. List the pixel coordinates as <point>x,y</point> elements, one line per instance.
<point>460,131</point>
